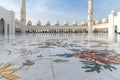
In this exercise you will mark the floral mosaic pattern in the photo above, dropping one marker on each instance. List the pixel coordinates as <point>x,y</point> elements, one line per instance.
<point>101,57</point>
<point>71,58</point>
<point>96,60</point>
<point>96,67</point>
<point>6,72</point>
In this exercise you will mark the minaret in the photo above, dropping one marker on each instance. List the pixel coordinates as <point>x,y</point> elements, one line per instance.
<point>90,16</point>
<point>23,13</point>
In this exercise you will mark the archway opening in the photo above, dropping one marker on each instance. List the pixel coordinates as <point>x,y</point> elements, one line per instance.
<point>2,26</point>
<point>116,28</point>
<point>8,29</point>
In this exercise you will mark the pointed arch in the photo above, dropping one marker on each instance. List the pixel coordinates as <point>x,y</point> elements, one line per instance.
<point>2,26</point>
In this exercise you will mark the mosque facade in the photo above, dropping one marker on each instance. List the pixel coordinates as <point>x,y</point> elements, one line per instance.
<point>7,21</point>
<point>108,24</point>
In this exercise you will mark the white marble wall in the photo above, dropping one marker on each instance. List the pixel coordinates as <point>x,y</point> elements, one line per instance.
<point>9,19</point>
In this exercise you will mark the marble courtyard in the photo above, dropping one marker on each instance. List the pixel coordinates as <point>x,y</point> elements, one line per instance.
<point>58,57</point>
<point>86,51</point>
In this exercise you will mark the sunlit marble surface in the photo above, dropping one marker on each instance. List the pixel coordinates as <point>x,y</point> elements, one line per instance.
<point>36,55</point>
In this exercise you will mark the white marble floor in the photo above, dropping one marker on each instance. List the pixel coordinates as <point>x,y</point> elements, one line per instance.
<point>50,56</point>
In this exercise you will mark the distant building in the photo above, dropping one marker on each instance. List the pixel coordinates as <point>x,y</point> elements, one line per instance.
<point>8,24</point>
<point>108,24</point>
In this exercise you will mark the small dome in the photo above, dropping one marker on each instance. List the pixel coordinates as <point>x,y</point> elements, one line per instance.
<point>75,23</point>
<point>20,22</point>
<point>56,23</point>
<point>48,23</point>
<point>16,21</point>
<point>104,20</point>
<point>113,12</point>
<point>38,23</point>
<point>84,23</point>
<point>29,23</point>
<point>97,22</point>
<point>93,22</point>
<point>66,23</point>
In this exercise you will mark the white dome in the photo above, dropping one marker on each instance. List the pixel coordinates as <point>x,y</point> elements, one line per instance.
<point>104,20</point>
<point>113,12</point>
<point>66,23</point>
<point>93,22</point>
<point>29,23</point>
<point>98,22</point>
<point>38,23</point>
<point>75,23</point>
<point>17,21</point>
<point>48,23</point>
<point>84,23</point>
<point>56,23</point>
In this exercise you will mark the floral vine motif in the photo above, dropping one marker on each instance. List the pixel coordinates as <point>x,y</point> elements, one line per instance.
<point>66,55</point>
<point>97,60</point>
<point>95,67</point>
<point>6,72</point>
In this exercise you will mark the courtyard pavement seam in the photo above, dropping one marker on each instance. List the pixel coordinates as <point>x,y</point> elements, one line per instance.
<point>52,67</point>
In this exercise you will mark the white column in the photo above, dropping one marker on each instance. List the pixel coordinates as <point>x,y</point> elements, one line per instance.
<point>12,25</point>
<point>90,15</point>
<point>111,28</point>
<point>23,14</point>
<point>5,31</point>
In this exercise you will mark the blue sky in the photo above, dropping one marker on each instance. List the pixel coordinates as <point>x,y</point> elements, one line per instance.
<point>61,10</point>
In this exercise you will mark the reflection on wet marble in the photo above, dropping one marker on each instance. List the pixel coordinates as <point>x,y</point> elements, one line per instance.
<point>60,57</point>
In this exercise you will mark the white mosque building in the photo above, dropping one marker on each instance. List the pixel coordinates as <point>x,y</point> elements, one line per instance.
<point>8,24</point>
<point>108,24</point>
